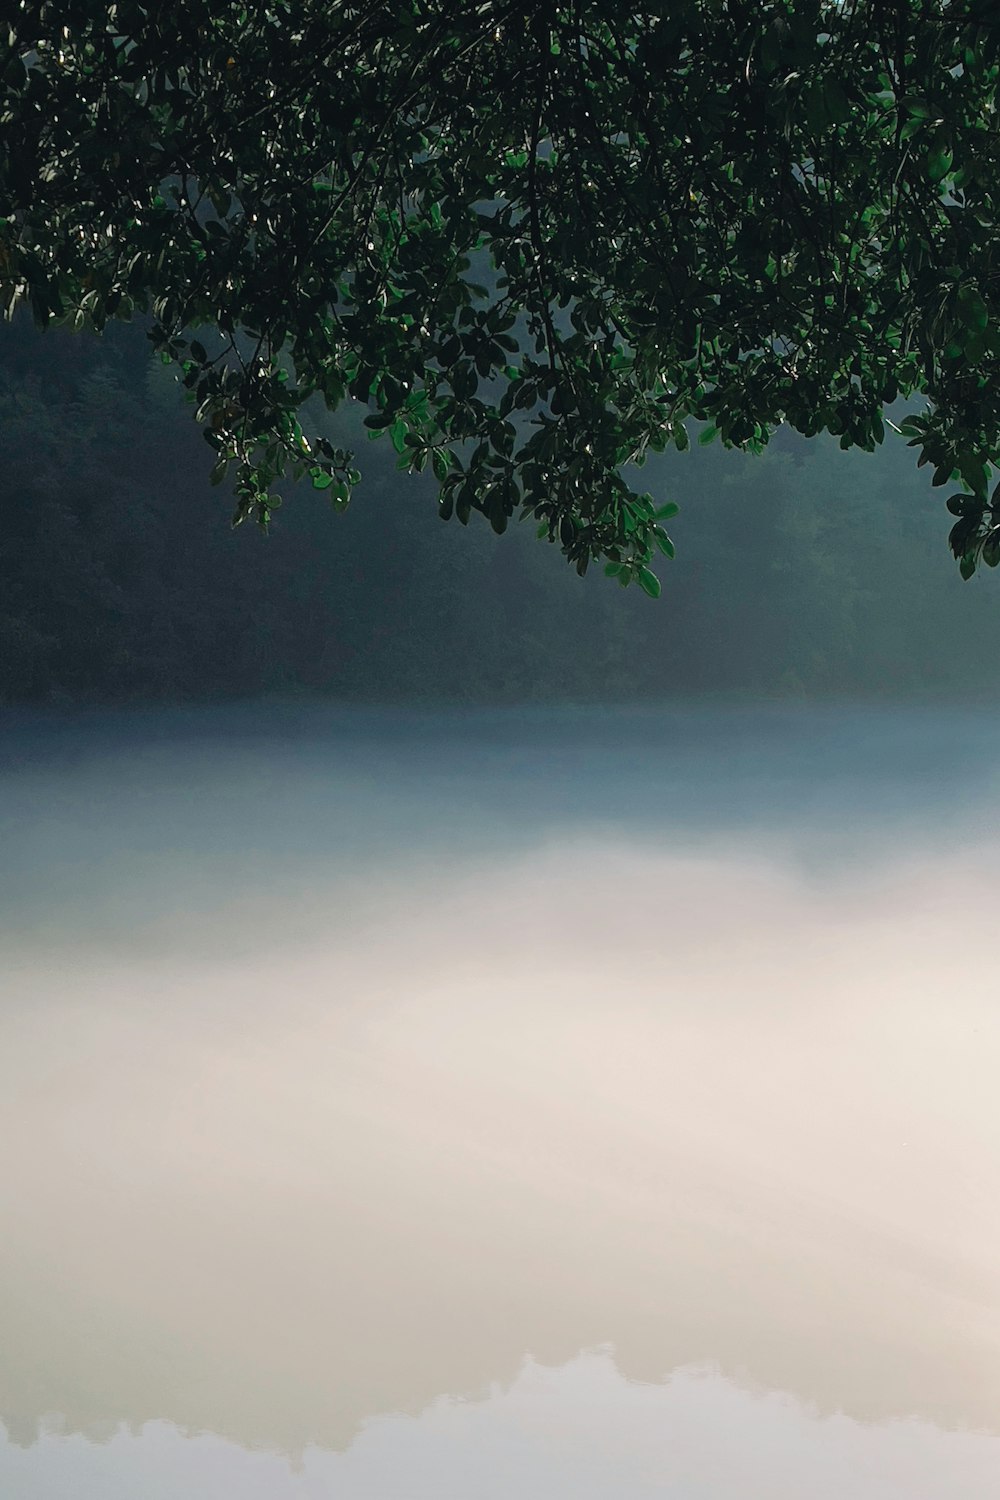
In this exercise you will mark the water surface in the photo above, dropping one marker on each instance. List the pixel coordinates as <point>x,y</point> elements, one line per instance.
<point>508,1104</point>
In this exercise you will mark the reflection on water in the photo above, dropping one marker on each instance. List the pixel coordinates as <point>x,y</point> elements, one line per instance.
<point>342,1070</point>
<point>580,1430</point>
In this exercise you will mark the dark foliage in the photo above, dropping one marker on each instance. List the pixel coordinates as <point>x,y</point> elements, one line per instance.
<point>535,241</point>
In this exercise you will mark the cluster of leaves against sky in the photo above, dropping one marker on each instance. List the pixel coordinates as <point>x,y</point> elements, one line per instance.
<point>535,241</point>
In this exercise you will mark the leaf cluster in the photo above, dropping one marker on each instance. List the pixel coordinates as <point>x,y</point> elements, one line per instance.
<point>535,242</point>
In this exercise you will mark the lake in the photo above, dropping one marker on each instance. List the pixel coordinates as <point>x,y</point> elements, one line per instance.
<point>535,1105</point>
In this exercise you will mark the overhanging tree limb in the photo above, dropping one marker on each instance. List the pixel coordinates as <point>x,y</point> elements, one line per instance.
<point>753,214</point>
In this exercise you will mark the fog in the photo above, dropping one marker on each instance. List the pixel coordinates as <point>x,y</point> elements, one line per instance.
<point>500,1104</point>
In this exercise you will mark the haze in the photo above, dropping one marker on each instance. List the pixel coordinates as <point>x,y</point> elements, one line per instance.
<point>550,1104</point>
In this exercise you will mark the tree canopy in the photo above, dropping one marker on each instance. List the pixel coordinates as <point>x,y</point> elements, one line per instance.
<point>535,241</point>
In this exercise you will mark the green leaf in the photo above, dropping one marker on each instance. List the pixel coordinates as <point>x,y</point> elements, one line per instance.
<point>835,101</point>
<point>972,307</point>
<point>972,468</point>
<point>939,160</point>
<point>666,512</point>
<point>649,583</point>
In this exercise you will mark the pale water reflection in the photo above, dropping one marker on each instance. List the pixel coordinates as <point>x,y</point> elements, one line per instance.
<point>579,1431</point>
<point>314,1124</point>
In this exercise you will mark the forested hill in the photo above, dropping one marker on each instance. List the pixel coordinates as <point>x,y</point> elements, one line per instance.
<point>805,571</point>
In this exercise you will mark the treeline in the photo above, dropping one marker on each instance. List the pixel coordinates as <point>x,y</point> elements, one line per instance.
<point>804,571</point>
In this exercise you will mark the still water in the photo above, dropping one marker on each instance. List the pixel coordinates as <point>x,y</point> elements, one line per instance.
<point>537,1106</point>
